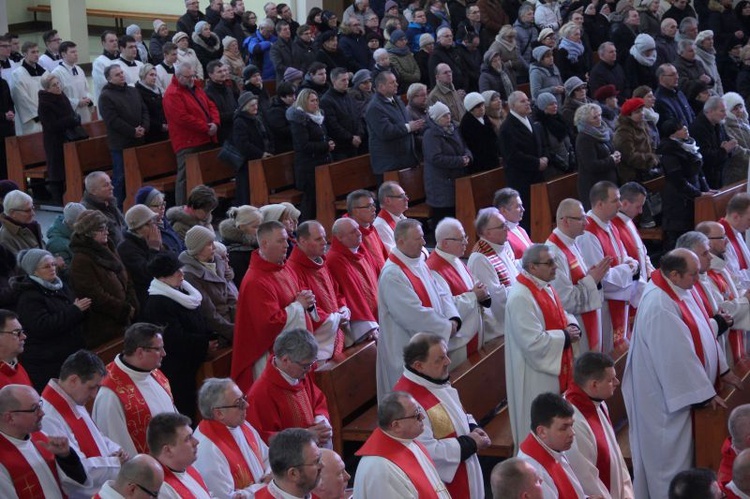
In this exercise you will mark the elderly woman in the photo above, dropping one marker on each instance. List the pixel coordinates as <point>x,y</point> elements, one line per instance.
<point>251,137</point>
<point>556,143</point>
<point>154,199</point>
<point>58,234</point>
<point>211,275</point>
<point>597,157</point>
<point>18,226</point>
<point>571,57</point>
<point>494,76</point>
<point>52,317</point>
<point>288,215</point>
<point>98,273</point>
<point>606,97</point>
<point>706,53</point>
<point>402,60</point>
<point>575,97</point>
<point>682,162</point>
<point>140,243</point>
<point>689,67</point>
<point>416,108</point>
<point>311,146</point>
<point>206,43</point>
<point>650,116</point>
<point>544,75</point>
<point>479,135</point>
<point>737,127</point>
<point>631,138</point>
<point>506,46</point>
<point>239,233</point>
<point>151,96</point>
<point>186,55</point>
<point>57,117</point>
<point>640,65</point>
<point>135,31</point>
<point>493,109</point>
<point>650,20</point>
<point>446,158</point>
<point>158,39</point>
<point>232,58</point>
<point>174,304</point>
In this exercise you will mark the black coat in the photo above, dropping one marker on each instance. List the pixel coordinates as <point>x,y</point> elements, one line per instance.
<point>135,254</point>
<point>250,136</point>
<point>335,60</point>
<point>595,164</point>
<point>122,110</point>
<point>226,103</point>
<point>342,122</point>
<point>605,74</point>
<point>452,58</point>
<point>637,74</point>
<point>278,126</point>
<point>56,115</point>
<point>482,141</point>
<point>153,102</point>
<point>53,325</point>
<point>186,337</point>
<point>709,138</point>
<point>521,150</point>
<point>684,183</point>
<point>310,150</point>
<point>303,54</point>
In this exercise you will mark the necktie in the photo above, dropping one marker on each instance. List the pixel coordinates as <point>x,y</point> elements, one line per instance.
<point>75,71</point>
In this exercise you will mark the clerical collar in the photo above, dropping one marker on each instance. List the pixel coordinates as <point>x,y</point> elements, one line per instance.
<point>5,63</point>
<point>556,454</point>
<point>428,378</point>
<point>131,366</point>
<point>12,363</point>
<point>168,69</point>
<point>174,470</point>
<point>277,491</point>
<point>595,217</point>
<point>35,70</point>
<point>130,64</point>
<point>111,55</point>
<point>538,282</point>
<point>54,57</point>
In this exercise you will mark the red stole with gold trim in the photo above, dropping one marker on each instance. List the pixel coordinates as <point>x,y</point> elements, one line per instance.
<point>385,215</point>
<point>617,308</point>
<point>485,249</point>
<point>219,434</point>
<point>25,481</point>
<point>554,318</point>
<point>380,444</point>
<point>86,442</point>
<point>519,242</point>
<point>736,336</point>
<point>459,487</point>
<point>182,490</point>
<point>13,376</point>
<point>590,318</point>
<point>735,243</point>
<point>576,396</point>
<point>531,447</point>
<point>137,413</point>
<point>414,280</point>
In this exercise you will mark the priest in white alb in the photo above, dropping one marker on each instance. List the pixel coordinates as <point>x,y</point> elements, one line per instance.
<point>510,204</point>
<point>393,203</point>
<point>736,223</point>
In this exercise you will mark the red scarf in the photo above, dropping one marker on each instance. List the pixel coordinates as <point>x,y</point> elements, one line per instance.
<point>25,481</point>
<point>13,376</point>
<point>182,490</point>
<point>219,434</point>
<point>735,243</point>
<point>576,396</point>
<point>531,447</point>
<point>379,444</point>
<point>736,336</point>
<point>137,413</point>
<point>519,243</point>
<point>484,248</point>
<point>590,318</point>
<point>385,215</point>
<point>554,318</point>
<point>415,281</point>
<point>86,442</point>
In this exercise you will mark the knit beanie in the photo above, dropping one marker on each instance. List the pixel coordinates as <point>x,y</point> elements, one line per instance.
<point>71,212</point>
<point>437,110</point>
<point>539,52</point>
<point>28,259</point>
<point>197,238</point>
<point>426,39</point>
<point>227,41</point>
<point>147,195</point>
<point>199,26</point>
<point>644,42</point>
<point>472,100</point>
<point>163,264</point>
<point>545,99</point>
<point>360,77</point>
<point>158,23</point>
<point>178,36</point>
<point>292,74</point>
<point>132,29</point>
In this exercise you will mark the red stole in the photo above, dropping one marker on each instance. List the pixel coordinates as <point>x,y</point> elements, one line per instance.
<point>415,281</point>
<point>137,413</point>
<point>628,242</point>
<point>263,493</point>
<point>617,308</point>
<point>735,243</point>
<point>531,447</point>
<point>379,444</point>
<point>728,455</point>
<point>590,412</point>
<point>736,336</point>
<point>219,434</point>
<point>13,376</point>
<point>457,286</point>
<point>554,318</point>
<point>374,246</point>
<point>519,243</point>
<point>182,490</point>
<point>484,248</point>
<point>25,481</point>
<point>459,487</point>
<point>86,442</point>
<point>590,318</point>
<point>385,215</point>
<point>357,280</point>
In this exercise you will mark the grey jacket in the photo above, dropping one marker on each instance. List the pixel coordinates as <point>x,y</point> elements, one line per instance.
<point>443,163</point>
<point>391,144</point>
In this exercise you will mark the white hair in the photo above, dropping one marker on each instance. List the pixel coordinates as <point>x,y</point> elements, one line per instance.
<point>445,227</point>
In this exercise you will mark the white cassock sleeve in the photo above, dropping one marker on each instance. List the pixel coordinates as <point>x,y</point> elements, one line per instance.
<point>467,306</point>
<point>378,478</point>
<point>576,298</point>
<point>25,94</point>
<point>618,280</point>
<point>582,458</point>
<point>295,316</point>
<point>109,417</point>
<point>483,271</point>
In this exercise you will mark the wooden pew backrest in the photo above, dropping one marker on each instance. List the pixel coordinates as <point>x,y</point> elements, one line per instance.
<point>545,196</point>
<point>411,181</point>
<point>206,168</point>
<point>82,158</point>
<point>272,180</point>
<point>713,207</point>
<point>473,193</point>
<point>335,180</point>
<point>151,164</point>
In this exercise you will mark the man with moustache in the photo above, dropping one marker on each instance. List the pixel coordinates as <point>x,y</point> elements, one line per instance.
<point>296,464</point>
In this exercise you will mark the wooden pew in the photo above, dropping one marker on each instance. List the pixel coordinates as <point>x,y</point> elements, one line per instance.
<point>473,193</point>
<point>335,180</point>
<point>411,181</point>
<point>152,164</point>
<point>82,158</point>
<point>348,382</point>
<point>272,180</point>
<point>205,168</point>
<point>26,157</point>
<point>713,207</point>
<point>218,367</point>
<point>545,196</point>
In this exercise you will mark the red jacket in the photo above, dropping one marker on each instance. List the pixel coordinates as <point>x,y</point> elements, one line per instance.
<point>189,116</point>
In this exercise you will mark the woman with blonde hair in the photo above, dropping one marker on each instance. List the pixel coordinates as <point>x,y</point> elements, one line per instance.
<point>239,233</point>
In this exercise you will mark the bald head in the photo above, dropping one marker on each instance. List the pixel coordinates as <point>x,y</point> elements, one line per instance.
<point>347,232</point>
<point>514,478</point>
<point>571,218</point>
<point>142,470</point>
<point>20,398</point>
<point>741,471</point>
<point>333,477</point>
<point>739,427</point>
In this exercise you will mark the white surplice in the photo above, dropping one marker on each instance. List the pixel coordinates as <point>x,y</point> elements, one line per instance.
<point>446,452</point>
<point>643,259</point>
<point>47,62</point>
<point>167,492</point>
<point>401,315</point>
<point>109,415</point>
<point>97,75</point>
<point>731,486</point>
<point>548,485</point>
<point>532,355</point>
<point>741,277</point>
<point>131,72</point>
<point>24,90</point>
<point>98,469</point>
<point>163,78</point>
<point>75,87</point>
<point>107,492</point>
<point>663,379</point>
<point>385,232</point>
<point>215,469</point>
<point>378,478</point>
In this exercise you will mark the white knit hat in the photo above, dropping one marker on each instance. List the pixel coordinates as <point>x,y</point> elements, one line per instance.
<point>437,110</point>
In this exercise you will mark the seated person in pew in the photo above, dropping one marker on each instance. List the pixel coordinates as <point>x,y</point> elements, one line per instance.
<point>739,487</point>
<point>470,297</point>
<point>239,233</point>
<point>333,479</point>
<point>393,203</point>
<point>695,482</point>
<point>737,441</point>
<point>492,263</point>
<point>356,278</point>
<point>595,455</point>
<point>155,200</point>
<point>99,196</point>
<point>546,447</point>
<point>736,222</point>
<point>140,472</point>
<point>200,203</point>
<point>285,395</point>
<point>387,468</point>
<point>451,437</point>
<point>515,478</point>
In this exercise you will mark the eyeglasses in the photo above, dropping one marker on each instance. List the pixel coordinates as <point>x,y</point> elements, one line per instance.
<point>318,462</point>
<point>370,206</point>
<point>575,218</point>
<point>419,416</point>
<point>15,332</point>
<point>34,408</point>
<point>154,349</point>
<point>550,263</point>
<point>240,403</point>
<point>719,238</point>
<point>159,205</point>
<point>27,210</point>
<point>149,493</point>
<point>307,366</point>
<point>458,239</point>
<point>501,227</point>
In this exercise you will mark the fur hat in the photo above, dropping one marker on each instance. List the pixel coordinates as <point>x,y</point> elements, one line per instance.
<point>89,222</point>
<point>732,99</point>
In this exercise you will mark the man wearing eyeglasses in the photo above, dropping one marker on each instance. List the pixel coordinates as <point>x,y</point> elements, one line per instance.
<point>51,57</point>
<point>232,457</point>
<point>141,476</point>
<point>360,206</point>
<point>12,339</point>
<point>393,203</point>
<point>33,464</point>
<point>394,463</point>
